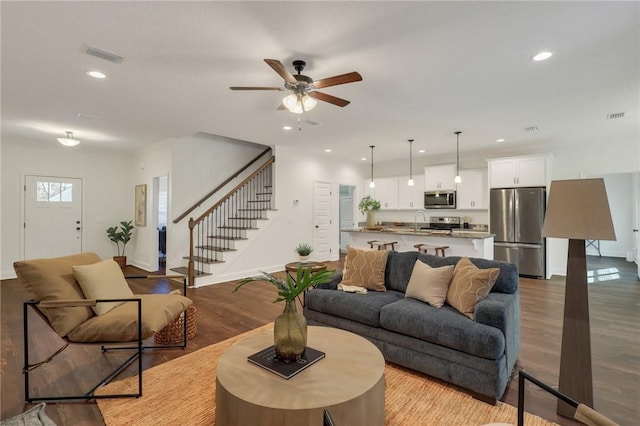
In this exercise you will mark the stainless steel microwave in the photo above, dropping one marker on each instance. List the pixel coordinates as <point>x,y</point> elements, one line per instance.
<point>440,200</point>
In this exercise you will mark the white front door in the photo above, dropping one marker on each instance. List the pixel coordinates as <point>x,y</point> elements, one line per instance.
<point>321,221</point>
<point>52,216</point>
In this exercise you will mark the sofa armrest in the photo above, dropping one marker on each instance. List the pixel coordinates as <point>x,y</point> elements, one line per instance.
<point>333,284</point>
<point>502,311</point>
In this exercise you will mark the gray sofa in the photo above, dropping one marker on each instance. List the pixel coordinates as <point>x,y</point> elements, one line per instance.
<point>478,355</point>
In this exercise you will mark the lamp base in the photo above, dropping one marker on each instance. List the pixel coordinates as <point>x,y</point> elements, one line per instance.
<point>576,379</point>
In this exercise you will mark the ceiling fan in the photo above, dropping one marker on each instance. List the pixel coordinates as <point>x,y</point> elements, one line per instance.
<point>304,88</point>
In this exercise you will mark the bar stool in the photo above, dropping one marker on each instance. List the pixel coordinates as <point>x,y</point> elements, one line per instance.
<point>424,248</point>
<point>382,245</point>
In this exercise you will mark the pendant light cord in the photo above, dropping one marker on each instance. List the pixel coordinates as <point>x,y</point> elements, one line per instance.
<point>371,146</point>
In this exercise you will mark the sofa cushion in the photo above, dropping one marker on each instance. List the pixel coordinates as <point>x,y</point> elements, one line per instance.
<point>469,285</point>
<point>399,269</point>
<point>365,268</point>
<point>53,279</point>
<point>429,284</point>
<point>362,308</point>
<point>120,324</point>
<point>444,327</point>
<point>102,280</point>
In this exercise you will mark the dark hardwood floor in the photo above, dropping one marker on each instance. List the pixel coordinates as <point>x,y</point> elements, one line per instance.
<point>615,318</point>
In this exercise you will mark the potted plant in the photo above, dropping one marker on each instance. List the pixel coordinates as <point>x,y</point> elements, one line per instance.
<point>303,250</point>
<point>120,235</point>
<point>368,206</point>
<point>290,327</point>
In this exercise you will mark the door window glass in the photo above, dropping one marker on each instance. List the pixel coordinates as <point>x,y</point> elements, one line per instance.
<point>54,192</point>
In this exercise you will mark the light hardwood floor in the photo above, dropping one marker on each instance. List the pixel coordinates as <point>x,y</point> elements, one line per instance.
<point>615,330</point>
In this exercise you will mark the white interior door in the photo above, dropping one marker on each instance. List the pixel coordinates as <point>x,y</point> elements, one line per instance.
<point>52,216</point>
<point>321,220</point>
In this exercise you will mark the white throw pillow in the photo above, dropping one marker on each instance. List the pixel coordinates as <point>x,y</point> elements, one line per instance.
<point>103,280</point>
<point>429,284</point>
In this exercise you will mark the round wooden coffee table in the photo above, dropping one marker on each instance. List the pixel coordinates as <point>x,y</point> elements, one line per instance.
<point>348,382</point>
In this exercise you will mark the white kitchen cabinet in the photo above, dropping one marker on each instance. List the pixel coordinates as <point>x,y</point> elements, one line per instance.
<point>518,171</point>
<point>472,191</point>
<point>440,177</point>
<point>386,191</point>
<point>410,197</point>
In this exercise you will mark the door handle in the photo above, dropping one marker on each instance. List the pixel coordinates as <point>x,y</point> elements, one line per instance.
<point>317,226</point>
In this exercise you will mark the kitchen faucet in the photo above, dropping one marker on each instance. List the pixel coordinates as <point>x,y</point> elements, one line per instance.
<point>415,219</point>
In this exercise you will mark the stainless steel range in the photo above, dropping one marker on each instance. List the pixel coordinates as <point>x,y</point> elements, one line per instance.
<point>447,223</point>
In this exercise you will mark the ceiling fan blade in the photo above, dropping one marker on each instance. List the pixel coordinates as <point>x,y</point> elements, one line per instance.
<point>329,98</point>
<point>338,79</point>
<point>255,88</point>
<point>281,69</point>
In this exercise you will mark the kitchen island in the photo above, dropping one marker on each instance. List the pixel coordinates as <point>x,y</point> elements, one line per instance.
<point>461,242</point>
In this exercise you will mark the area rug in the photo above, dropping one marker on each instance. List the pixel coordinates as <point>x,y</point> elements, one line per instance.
<point>182,392</point>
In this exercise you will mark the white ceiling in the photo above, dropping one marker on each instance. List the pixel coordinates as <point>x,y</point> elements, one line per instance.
<point>428,68</point>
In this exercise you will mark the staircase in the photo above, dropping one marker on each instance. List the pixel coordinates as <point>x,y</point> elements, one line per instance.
<point>227,225</point>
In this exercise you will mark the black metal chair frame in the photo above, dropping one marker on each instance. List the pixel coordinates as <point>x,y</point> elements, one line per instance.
<point>139,348</point>
<point>522,375</point>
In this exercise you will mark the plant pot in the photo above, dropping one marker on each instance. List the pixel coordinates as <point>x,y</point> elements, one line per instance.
<point>304,259</point>
<point>121,261</point>
<point>290,333</point>
<point>370,219</point>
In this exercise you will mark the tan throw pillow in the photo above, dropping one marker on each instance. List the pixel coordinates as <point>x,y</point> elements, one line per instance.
<point>429,284</point>
<point>365,268</point>
<point>103,280</point>
<point>469,285</point>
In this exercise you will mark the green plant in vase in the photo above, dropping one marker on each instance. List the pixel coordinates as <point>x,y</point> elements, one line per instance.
<point>303,250</point>
<point>368,206</point>
<point>120,235</point>
<point>290,327</point>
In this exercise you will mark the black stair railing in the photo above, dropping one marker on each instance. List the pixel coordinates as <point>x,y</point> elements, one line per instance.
<point>218,229</point>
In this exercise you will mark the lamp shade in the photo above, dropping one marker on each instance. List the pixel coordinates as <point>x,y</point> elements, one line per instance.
<point>578,209</point>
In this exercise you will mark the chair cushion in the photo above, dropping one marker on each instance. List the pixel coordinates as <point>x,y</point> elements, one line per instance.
<point>429,284</point>
<point>53,279</point>
<point>469,285</point>
<point>120,324</point>
<point>365,268</point>
<point>103,280</point>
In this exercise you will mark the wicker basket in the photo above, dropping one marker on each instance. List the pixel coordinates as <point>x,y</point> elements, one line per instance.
<point>173,333</point>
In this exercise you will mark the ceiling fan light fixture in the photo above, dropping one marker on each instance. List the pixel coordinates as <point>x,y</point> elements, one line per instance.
<point>69,140</point>
<point>308,102</point>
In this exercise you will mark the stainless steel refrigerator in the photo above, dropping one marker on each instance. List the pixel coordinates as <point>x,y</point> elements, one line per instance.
<point>517,215</point>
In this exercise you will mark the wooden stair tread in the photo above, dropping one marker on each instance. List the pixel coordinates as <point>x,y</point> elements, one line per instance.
<point>218,237</point>
<point>242,228</point>
<point>201,259</point>
<point>185,271</point>
<point>215,248</point>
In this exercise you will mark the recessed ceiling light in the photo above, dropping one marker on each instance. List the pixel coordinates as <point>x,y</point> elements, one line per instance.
<point>421,151</point>
<point>542,56</point>
<point>364,158</point>
<point>287,127</point>
<point>327,150</point>
<point>95,74</point>
<point>499,140</point>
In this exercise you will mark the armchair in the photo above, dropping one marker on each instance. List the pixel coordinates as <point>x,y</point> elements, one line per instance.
<point>88,301</point>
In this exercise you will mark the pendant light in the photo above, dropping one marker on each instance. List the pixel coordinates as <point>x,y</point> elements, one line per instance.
<point>410,181</point>
<point>457,179</point>
<point>372,183</point>
<point>69,140</point>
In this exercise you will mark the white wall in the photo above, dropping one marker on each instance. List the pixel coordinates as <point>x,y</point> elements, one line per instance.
<point>108,192</point>
<point>148,164</point>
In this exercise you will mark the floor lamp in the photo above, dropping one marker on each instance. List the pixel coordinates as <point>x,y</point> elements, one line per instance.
<point>577,210</point>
